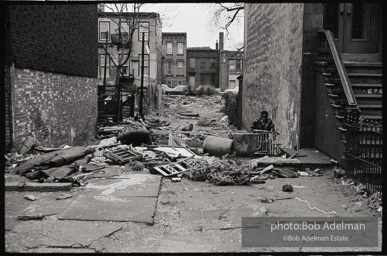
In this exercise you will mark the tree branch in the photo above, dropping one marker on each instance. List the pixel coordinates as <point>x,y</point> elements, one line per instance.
<point>238,50</point>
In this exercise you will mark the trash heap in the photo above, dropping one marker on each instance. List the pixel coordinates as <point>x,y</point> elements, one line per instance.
<point>219,172</point>
<point>132,147</point>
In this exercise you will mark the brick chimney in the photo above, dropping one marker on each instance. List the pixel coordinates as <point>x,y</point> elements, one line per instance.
<point>221,45</point>
<point>216,45</point>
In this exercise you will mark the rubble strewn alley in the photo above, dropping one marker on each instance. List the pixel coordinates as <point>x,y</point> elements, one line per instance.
<point>193,127</point>
<point>113,206</point>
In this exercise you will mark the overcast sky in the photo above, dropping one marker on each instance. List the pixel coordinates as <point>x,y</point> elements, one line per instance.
<point>195,20</point>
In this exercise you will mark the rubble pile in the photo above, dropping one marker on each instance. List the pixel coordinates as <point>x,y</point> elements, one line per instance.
<point>219,172</point>
<point>373,198</point>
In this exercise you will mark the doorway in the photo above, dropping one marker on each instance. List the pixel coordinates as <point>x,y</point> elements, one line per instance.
<point>356,26</point>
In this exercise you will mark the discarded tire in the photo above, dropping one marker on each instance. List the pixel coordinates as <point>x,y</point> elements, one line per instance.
<point>218,146</point>
<point>135,137</point>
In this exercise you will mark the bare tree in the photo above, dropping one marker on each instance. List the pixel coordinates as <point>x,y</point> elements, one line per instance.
<point>128,20</point>
<point>226,14</point>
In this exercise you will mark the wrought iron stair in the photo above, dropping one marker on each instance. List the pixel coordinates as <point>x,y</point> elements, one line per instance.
<point>355,92</point>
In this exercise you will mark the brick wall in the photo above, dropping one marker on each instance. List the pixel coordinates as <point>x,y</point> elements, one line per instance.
<point>54,108</point>
<point>59,38</point>
<point>272,75</point>
<point>8,108</point>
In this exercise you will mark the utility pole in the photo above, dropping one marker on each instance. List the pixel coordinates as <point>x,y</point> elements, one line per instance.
<point>142,76</point>
<point>104,71</point>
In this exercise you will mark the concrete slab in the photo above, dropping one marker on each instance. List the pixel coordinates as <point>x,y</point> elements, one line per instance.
<point>313,156</point>
<point>14,203</point>
<point>129,197</point>
<point>109,172</point>
<point>70,234</point>
<point>178,243</point>
<point>40,187</point>
<point>108,208</point>
<point>62,250</point>
<point>125,185</point>
<point>45,205</point>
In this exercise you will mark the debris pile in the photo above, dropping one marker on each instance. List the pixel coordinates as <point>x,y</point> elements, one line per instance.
<point>218,172</point>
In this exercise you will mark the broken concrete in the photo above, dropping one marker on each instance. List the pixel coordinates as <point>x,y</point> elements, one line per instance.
<point>41,187</point>
<point>65,234</point>
<point>130,197</point>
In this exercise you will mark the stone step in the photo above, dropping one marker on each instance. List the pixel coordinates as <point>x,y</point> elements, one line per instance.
<point>367,88</point>
<point>364,78</point>
<point>367,67</point>
<point>371,110</point>
<point>355,57</point>
<point>369,99</point>
<point>372,117</point>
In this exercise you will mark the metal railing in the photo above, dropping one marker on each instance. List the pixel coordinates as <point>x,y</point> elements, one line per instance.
<point>364,150</point>
<point>370,175</point>
<point>327,42</point>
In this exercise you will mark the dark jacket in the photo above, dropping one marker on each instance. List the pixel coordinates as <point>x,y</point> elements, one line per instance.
<point>259,124</point>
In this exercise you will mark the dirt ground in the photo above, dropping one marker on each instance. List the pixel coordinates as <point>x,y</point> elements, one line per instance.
<point>195,216</point>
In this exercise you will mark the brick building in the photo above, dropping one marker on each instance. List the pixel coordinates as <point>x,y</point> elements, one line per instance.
<point>51,74</point>
<point>202,66</point>
<point>149,23</point>
<point>309,65</point>
<point>230,66</point>
<point>174,46</point>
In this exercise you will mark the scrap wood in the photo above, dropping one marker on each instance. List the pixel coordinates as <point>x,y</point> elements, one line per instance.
<point>155,163</point>
<point>189,114</point>
<point>273,199</point>
<point>219,172</point>
<point>220,216</point>
<point>175,151</point>
<point>296,155</point>
<point>173,168</point>
<point>274,161</point>
<point>88,174</point>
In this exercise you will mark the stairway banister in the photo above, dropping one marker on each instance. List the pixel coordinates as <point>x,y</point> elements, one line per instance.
<point>350,96</point>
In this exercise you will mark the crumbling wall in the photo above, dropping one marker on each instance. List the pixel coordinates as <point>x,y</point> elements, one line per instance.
<point>272,74</point>
<point>54,108</point>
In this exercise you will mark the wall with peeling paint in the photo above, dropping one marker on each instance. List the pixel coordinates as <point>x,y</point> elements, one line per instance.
<point>272,70</point>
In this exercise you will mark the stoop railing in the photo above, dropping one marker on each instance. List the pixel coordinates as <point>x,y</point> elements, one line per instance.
<point>364,150</point>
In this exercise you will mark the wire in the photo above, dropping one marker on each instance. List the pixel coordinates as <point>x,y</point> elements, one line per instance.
<point>314,208</point>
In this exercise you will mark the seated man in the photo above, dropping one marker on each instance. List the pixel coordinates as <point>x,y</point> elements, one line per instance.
<point>263,123</point>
